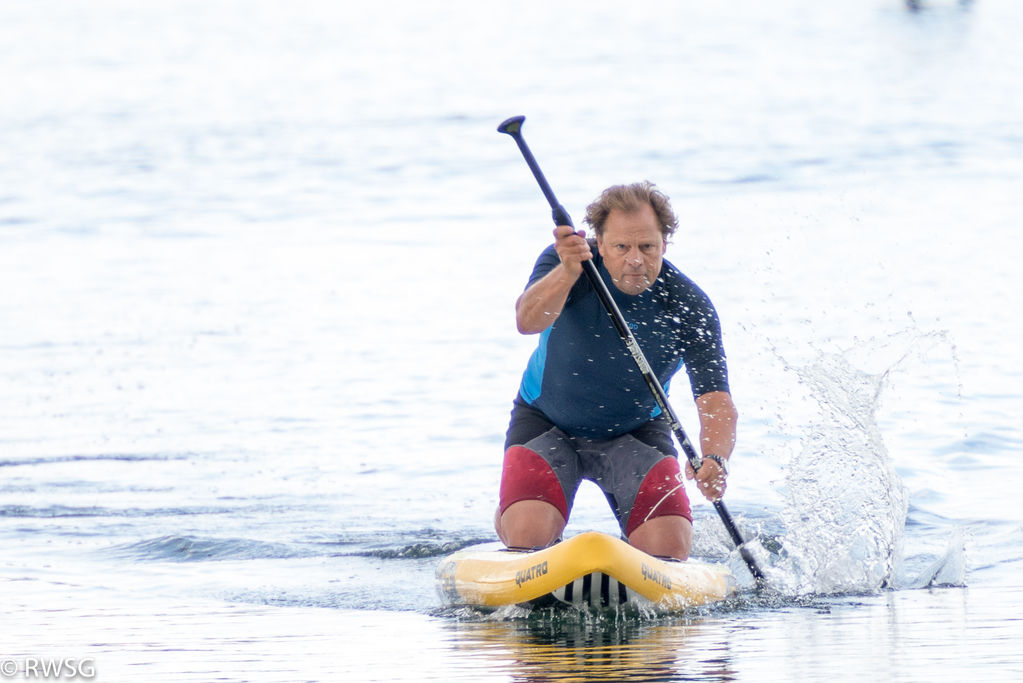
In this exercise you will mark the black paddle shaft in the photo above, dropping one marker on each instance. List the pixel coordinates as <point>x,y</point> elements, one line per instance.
<point>513,127</point>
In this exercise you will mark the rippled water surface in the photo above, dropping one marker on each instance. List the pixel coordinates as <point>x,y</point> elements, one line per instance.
<point>257,269</point>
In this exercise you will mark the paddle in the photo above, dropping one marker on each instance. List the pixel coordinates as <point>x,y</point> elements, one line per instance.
<point>513,127</point>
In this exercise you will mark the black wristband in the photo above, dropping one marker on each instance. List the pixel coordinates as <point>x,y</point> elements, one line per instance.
<point>719,460</point>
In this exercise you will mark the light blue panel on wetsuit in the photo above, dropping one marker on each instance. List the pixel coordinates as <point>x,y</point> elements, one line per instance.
<point>532,378</point>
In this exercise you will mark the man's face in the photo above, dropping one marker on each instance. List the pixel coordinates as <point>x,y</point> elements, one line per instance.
<point>632,247</point>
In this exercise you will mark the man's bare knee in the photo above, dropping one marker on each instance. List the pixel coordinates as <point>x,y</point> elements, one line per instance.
<point>668,536</point>
<point>529,524</point>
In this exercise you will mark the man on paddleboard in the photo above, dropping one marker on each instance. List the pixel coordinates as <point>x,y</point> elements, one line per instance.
<point>584,411</point>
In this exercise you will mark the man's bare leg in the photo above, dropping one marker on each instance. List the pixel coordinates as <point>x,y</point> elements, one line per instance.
<point>668,536</point>
<point>529,524</point>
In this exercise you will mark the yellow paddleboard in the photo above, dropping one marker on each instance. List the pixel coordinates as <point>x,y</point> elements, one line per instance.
<point>588,570</point>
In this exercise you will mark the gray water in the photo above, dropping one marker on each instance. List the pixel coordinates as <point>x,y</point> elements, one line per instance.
<point>257,269</point>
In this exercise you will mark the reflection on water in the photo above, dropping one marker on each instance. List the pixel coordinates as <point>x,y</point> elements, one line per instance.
<point>892,636</point>
<point>913,635</point>
<point>580,647</point>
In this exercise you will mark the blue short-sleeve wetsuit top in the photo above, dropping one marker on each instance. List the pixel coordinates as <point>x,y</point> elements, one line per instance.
<point>583,378</point>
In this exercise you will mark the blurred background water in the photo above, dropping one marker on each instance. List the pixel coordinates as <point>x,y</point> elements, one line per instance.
<point>257,270</point>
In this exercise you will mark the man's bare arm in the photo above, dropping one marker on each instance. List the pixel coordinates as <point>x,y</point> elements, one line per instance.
<point>540,305</point>
<point>718,418</point>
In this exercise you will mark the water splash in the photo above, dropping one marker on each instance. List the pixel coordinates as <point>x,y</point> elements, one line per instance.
<point>846,510</point>
<point>948,569</point>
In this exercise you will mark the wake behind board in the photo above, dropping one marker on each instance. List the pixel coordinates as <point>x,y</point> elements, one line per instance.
<point>589,570</point>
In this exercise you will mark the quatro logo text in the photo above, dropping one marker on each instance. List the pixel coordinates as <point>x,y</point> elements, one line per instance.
<point>651,574</point>
<point>529,574</point>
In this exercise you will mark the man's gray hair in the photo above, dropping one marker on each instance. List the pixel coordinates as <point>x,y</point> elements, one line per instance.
<point>629,199</point>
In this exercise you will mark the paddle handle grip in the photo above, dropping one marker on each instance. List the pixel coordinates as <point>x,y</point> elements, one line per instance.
<point>561,216</point>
